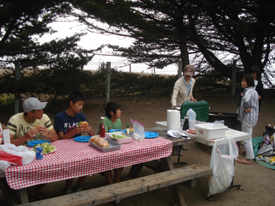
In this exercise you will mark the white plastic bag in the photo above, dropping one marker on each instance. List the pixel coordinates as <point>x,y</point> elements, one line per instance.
<point>4,165</point>
<point>222,163</point>
<point>22,151</point>
<point>138,132</point>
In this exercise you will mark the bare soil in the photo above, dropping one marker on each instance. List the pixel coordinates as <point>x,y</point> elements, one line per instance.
<point>257,181</point>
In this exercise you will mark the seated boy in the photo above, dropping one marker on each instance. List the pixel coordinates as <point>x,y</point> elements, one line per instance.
<point>23,129</point>
<point>66,126</point>
<point>112,121</point>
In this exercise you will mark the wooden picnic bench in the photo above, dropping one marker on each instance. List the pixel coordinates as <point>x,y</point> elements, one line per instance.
<point>128,188</point>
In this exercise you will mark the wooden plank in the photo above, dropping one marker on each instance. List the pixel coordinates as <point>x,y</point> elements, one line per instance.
<point>154,165</point>
<point>135,170</point>
<point>132,187</point>
<point>8,193</point>
<point>189,184</point>
<point>23,195</point>
<point>2,174</point>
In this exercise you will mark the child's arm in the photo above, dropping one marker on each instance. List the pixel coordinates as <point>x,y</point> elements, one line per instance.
<point>51,134</point>
<point>247,111</point>
<point>69,135</point>
<point>89,130</point>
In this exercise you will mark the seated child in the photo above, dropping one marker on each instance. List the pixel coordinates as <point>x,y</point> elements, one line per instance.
<point>112,121</point>
<point>66,126</point>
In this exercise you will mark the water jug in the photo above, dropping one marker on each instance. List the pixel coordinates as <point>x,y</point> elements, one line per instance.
<point>200,107</point>
<point>192,118</point>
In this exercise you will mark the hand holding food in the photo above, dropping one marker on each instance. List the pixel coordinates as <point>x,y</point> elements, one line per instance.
<point>83,124</point>
<point>31,133</point>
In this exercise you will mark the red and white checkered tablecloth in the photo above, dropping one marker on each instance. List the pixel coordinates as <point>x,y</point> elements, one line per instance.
<point>74,159</point>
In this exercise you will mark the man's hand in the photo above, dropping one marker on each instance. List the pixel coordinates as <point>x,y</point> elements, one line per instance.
<point>31,133</point>
<point>44,131</point>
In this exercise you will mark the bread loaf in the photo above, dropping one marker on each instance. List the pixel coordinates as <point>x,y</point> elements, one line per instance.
<point>99,141</point>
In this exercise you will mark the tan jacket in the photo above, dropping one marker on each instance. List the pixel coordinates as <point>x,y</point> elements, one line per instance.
<point>180,92</point>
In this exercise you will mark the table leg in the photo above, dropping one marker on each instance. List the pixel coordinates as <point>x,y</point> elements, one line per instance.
<point>135,170</point>
<point>179,157</point>
<point>23,195</point>
<point>8,193</point>
<point>175,190</point>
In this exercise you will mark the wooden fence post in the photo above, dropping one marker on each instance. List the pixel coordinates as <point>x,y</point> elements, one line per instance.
<point>16,89</point>
<point>233,86</point>
<point>108,80</point>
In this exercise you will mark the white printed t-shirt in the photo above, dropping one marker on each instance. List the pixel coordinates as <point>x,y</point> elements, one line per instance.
<point>19,127</point>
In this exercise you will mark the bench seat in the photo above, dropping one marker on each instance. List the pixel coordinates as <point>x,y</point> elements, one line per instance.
<point>108,193</point>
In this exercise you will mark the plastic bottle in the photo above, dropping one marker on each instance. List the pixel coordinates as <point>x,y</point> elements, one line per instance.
<point>192,118</point>
<point>102,127</point>
<point>186,123</point>
<point>127,128</point>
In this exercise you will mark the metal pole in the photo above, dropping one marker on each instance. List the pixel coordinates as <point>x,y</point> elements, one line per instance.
<point>233,86</point>
<point>180,70</point>
<point>108,75</point>
<point>16,89</point>
<point>130,68</point>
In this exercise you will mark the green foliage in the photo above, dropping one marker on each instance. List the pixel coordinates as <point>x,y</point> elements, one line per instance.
<point>211,32</point>
<point>6,99</point>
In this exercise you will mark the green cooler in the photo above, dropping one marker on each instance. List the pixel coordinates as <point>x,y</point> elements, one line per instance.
<point>201,108</point>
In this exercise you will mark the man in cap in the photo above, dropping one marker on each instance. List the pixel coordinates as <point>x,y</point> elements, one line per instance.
<point>183,88</point>
<point>31,124</point>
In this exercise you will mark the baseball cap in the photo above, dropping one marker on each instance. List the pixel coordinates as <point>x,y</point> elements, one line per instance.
<point>189,70</point>
<point>32,103</point>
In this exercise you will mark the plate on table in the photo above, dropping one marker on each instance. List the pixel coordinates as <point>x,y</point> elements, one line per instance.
<point>191,131</point>
<point>35,142</point>
<point>150,135</point>
<point>114,130</point>
<point>82,138</point>
<point>46,153</point>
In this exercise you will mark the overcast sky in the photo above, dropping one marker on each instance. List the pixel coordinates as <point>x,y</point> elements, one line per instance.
<point>92,41</point>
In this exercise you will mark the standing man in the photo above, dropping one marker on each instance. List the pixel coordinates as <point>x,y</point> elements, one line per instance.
<point>31,124</point>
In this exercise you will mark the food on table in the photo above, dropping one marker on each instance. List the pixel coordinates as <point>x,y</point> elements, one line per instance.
<point>94,139</point>
<point>119,136</point>
<point>47,147</point>
<point>192,131</point>
<point>83,123</point>
<point>99,141</point>
<point>37,126</point>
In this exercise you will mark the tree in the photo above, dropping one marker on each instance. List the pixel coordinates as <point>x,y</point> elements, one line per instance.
<point>22,23</point>
<point>164,30</point>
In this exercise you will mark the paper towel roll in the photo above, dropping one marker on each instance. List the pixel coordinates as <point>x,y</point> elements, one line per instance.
<point>173,119</point>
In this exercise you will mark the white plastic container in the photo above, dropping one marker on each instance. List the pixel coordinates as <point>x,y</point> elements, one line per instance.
<point>210,131</point>
<point>192,118</point>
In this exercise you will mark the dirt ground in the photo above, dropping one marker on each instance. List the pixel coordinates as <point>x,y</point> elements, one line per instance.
<point>256,180</point>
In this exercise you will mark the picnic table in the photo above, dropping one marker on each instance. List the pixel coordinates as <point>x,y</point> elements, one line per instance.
<point>73,159</point>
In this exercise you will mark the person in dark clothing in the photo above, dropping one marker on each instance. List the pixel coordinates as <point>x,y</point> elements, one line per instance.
<point>256,73</point>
